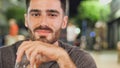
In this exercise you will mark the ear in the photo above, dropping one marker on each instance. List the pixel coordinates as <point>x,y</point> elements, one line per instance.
<point>26,21</point>
<point>65,20</point>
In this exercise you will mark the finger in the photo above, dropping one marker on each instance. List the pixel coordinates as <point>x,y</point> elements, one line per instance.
<point>23,44</point>
<point>18,51</point>
<point>37,61</point>
<point>33,57</point>
<point>35,66</point>
<point>21,50</point>
<point>29,51</point>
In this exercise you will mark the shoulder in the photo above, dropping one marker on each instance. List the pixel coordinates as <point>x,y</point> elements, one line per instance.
<point>6,48</point>
<point>8,55</point>
<point>10,49</point>
<point>81,58</point>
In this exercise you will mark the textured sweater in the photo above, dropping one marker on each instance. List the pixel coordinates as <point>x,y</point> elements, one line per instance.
<point>81,58</point>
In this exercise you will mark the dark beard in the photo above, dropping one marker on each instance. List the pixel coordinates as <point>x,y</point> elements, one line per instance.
<point>44,39</point>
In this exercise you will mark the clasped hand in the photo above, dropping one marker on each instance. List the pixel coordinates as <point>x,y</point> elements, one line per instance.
<point>38,52</point>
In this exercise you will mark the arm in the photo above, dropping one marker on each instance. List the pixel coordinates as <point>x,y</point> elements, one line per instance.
<point>82,59</point>
<point>39,52</point>
<point>65,62</point>
<point>88,61</point>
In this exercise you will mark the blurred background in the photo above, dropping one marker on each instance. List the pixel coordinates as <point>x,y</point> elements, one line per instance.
<point>94,25</point>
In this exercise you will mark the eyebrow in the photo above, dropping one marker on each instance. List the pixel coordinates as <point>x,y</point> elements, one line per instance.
<point>53,11</point>
<point>49,11</point>
<point>35,10</point>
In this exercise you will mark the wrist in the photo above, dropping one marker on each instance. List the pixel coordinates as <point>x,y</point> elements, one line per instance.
<point>64,61</point>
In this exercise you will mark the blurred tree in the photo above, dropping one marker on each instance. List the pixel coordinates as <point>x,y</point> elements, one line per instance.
<point>16,13</point>
<point>105,13</point>
<point>93,11</point>
<point>3,25</point>
<point>89,12</point>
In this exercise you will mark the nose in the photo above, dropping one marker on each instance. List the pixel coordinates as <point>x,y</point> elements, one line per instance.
<point>43,20</point>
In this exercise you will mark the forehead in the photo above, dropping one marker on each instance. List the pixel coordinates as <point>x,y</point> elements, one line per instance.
<point>45,5</point>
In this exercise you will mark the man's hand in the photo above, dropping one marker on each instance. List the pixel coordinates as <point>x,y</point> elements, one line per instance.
<point>38,52</point>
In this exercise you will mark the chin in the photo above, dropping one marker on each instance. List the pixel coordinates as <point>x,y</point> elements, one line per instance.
<point>44,39</point>
<point>47,39</point>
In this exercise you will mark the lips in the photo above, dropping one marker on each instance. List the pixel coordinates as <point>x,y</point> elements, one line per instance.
<point>43,32</point>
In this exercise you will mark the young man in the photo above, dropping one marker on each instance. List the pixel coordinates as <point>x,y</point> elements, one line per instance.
<point>45,19</point>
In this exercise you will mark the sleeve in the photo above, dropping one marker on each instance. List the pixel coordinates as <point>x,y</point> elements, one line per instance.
<point>7,57</point>
<point>0,59</point>
<point>82,59</point>
<point>86,62</point>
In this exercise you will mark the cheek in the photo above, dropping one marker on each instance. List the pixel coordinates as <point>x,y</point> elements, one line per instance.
<point>31,27</point>
<point>56,27</point>
<point>32,24</point>
<point>56,24</point>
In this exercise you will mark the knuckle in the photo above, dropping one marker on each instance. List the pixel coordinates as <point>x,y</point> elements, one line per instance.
<point>27,52</point>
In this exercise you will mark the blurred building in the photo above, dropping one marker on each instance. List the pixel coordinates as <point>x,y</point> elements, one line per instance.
<point>72,33</point>
<point>114,24</point>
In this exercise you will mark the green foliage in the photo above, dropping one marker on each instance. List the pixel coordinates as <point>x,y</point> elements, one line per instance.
<point>16,13</point>
<point>89,10</point>
<point>93,11</point>
<point>105,13</point>
<point>3,25</point>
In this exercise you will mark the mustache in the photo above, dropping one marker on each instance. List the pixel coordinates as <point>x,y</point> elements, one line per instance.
<point>43,28</point>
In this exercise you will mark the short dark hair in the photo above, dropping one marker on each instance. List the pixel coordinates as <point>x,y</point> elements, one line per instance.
<point>64,5</point>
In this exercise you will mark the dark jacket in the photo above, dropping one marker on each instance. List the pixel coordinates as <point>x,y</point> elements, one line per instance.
<point>80,58</point>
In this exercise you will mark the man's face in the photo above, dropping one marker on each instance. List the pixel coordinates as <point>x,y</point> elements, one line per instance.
<point>45,19</point>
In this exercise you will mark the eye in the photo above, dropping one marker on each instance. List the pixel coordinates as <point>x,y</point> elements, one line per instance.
<point>52,15</point>
<point>35,14</point>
